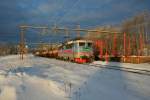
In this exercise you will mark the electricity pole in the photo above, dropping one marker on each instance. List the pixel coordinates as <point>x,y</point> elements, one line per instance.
<point>78,32</point>
<point>22,43</point>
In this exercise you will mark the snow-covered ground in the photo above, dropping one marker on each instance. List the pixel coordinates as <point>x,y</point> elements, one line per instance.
<point>37,78</point>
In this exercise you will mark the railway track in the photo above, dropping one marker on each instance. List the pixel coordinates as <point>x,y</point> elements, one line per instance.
<point>126,69</point>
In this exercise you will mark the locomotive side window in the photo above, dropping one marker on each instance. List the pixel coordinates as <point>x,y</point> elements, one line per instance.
<point>69,46</point>
<point>64,47</point>
<point>89,44</point>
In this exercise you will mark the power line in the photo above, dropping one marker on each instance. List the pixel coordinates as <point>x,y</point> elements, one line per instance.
<point>69,10</point>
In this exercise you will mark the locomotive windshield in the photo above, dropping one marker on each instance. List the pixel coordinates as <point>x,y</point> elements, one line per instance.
<point>85,44</point>
<point>82,44</point>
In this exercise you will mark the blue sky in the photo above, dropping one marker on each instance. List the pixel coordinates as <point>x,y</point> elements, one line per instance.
<point>87,13</point>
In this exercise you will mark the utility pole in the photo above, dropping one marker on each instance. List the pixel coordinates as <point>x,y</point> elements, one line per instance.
<point>78,32</point>
<point>114,51</point>
<point>124,44</point>
<point>67,34</point>
<point>22,43</point>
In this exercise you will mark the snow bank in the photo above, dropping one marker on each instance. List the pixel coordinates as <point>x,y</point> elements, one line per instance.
<point>8,93</point>
<point>37,78</point>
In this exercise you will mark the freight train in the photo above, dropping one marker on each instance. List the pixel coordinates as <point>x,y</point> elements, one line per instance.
<point>75,50</point>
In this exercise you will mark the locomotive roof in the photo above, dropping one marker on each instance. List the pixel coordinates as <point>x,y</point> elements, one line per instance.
<point>74,41</point>
<point>79,39</point>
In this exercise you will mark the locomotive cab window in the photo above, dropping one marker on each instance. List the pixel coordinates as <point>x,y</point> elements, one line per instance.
<point>81,44</point>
